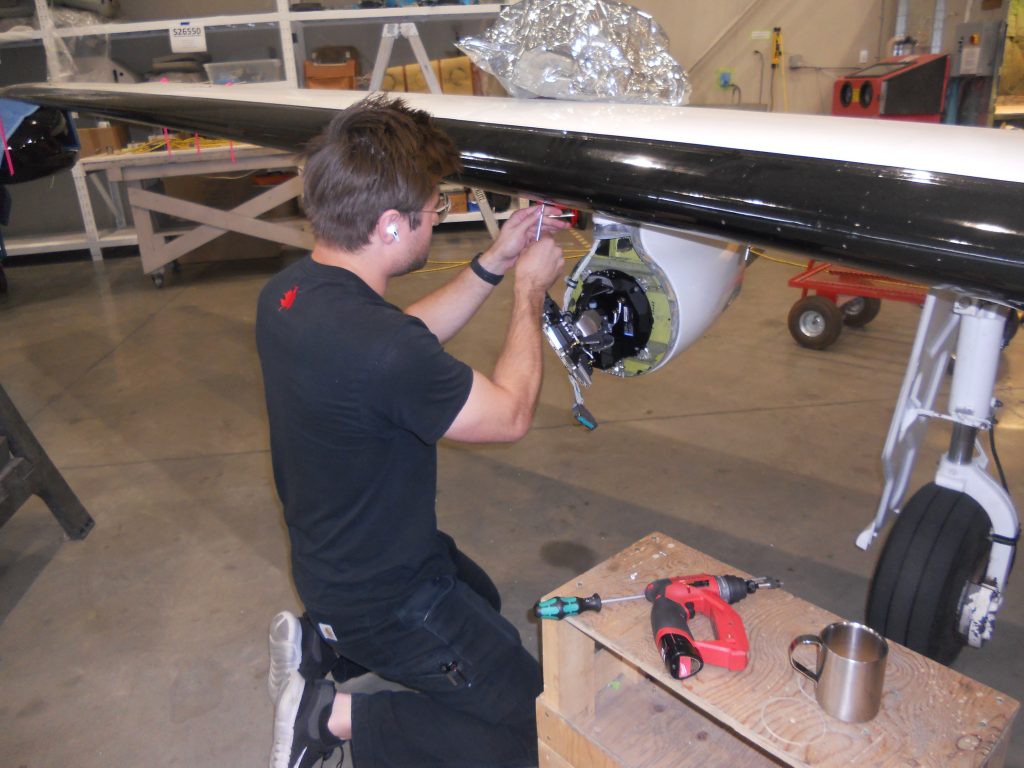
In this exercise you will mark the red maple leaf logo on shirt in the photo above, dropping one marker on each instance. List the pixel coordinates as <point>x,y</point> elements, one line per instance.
<point>289,297</point>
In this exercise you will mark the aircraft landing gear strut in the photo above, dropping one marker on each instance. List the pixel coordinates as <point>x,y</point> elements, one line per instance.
<point>941,575</point>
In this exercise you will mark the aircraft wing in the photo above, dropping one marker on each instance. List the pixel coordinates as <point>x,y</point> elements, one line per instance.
<point>934,203</point>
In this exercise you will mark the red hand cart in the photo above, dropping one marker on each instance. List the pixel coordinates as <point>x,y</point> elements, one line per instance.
<point>842,296</point>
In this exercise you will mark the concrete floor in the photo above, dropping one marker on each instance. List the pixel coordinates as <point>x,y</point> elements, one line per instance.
<point>145,643</point>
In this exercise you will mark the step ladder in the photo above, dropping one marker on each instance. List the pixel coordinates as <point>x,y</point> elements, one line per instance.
<point>408,30</point>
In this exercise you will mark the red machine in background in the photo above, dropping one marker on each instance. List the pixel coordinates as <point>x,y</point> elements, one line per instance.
<point>901,88</point>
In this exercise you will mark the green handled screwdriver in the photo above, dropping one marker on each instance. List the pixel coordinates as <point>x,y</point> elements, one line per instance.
<point>559,607</point>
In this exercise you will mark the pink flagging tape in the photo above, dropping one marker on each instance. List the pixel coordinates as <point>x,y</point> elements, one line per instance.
<point>7,149</point>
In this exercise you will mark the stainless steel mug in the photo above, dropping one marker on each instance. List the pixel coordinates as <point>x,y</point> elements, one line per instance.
<point>850,671</point>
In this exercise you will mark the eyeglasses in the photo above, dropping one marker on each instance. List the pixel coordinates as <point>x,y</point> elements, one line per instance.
<point>444,205</point>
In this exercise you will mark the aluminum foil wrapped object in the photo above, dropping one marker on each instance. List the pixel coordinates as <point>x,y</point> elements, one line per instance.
<point>591,50</point>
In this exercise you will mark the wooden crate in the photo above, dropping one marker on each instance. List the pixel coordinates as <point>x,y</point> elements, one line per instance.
<point>460,201</point>
<point>337,76</point>
<point>609,702</point>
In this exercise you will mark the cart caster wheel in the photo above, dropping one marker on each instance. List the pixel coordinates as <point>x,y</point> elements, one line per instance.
<point>158,280</point>
<point>938,545</point>
<point>175,267</point>
<point>815,322</point>
<point>860,311</point>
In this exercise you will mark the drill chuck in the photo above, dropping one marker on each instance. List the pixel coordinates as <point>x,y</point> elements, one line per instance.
<point>732,589</point>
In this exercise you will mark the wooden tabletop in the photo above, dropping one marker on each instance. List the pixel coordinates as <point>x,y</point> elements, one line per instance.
<point>930,716</point>
<point>163,157</point>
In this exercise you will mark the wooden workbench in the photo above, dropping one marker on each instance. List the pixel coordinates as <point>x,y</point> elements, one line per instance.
<point>156,249</point>
<point>609,701</point>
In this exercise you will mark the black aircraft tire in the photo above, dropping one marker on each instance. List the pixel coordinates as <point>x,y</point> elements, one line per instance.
<point>815,322</point>
<point>860,311</point>
<point>939,542</point>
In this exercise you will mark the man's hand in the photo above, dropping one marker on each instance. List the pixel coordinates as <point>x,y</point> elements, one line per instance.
<point>517,233</point>
<point>539,266</point>
<point>447,309</point>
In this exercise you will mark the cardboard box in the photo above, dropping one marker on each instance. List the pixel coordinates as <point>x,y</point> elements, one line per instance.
<point>102,141</point>
<point>394,79</point>
<point>485,84</point>
<point>341,76</point>
<point>415,82</point>
<point>457,75</point>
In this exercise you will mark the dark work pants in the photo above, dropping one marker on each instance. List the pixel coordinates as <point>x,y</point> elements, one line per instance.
<point>473,684</point>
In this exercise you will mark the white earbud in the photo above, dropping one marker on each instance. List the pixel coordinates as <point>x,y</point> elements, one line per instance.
<point>392,229</point>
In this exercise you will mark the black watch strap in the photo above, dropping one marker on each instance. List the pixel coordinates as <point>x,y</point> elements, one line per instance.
<point>482,273</point>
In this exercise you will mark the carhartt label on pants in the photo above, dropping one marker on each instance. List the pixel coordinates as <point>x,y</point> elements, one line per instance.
<point>328,632</point>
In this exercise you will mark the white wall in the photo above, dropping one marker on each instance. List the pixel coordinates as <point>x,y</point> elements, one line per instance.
<point>828,35</point>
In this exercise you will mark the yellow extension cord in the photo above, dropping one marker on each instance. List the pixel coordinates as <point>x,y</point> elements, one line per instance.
<point>434,265</point>
<point>177,141</point>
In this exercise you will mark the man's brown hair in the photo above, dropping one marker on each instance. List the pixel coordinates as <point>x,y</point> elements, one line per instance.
<point>376,155</point>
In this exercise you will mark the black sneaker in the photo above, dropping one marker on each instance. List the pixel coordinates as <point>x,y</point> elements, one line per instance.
<point>301,738</point>
<point>294,644</point>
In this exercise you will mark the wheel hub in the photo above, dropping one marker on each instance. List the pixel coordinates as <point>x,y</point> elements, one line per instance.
<point>978,608</point>
<point>854,306</point>
<point>812,324</point>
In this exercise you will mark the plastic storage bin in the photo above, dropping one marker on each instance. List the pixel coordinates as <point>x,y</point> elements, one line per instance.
<point>252,71</point>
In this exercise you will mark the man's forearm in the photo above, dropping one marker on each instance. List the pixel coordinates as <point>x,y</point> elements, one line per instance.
<point>518,370</point>
<point>500,407</point>
<point>446,310</point>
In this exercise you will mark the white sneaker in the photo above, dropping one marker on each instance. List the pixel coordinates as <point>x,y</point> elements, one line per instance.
<point>285,645</point>
<point>299,737</point>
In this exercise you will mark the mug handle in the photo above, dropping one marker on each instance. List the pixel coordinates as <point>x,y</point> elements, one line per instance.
<point>803,640</point>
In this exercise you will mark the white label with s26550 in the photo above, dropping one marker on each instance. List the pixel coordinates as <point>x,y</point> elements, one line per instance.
<point>188,37</point>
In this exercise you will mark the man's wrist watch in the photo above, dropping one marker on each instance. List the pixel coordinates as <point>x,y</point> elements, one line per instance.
<point>484,274</point>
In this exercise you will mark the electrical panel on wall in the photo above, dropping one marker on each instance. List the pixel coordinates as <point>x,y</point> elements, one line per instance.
<point>977,49</point>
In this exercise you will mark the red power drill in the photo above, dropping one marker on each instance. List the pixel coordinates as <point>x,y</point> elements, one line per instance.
<point>677,599</point>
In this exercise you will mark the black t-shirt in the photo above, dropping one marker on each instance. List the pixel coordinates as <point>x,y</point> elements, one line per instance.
<point>358,393</point>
